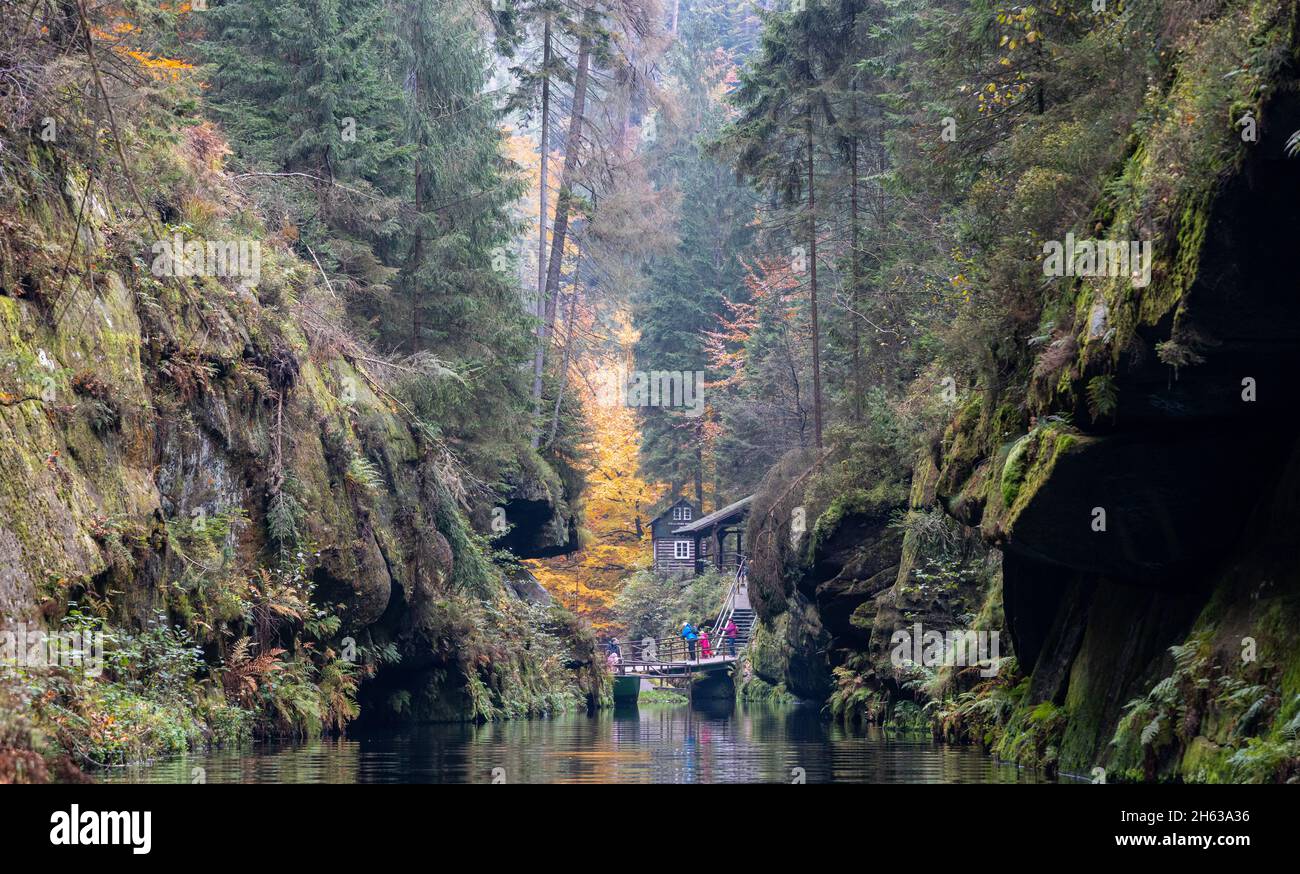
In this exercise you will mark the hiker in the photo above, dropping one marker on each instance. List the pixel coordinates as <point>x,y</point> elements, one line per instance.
<point>690,636</point>
<point>731,631</point>
<point>705,647</point>
<point>615,648</point>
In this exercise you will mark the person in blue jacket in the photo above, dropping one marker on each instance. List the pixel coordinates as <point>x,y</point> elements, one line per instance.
<point>690,635</point>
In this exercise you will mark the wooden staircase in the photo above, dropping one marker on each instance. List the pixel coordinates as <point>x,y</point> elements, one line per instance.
<point>736,609</point>
<point>745,619</point>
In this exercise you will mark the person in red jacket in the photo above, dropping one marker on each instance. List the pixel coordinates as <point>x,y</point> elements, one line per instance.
<point>731,631</point>
<point>705,649</point>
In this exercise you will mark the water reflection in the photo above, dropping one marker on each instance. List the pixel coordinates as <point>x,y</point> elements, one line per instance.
<point>708,743</point>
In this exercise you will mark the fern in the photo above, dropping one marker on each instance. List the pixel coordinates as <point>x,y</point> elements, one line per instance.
<point>282,515</point>
<point>1151,731</point>
<point>1103,396</point>
<point>1291,730</point>
<point>364,473</point>
<point>1260,761</point>
<point>1166,691</point>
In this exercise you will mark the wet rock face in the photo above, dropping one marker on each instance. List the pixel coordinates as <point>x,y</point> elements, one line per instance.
<point>852,566</point>
<point>849,568</point>
<point>541,523</point>
<point>936,587</point>
<point>527,588</point>
<point>1119,530</point>
<point>1207,408</point>
<point>791,649</point>
<point>15,585</point>
<point>1141,507</point>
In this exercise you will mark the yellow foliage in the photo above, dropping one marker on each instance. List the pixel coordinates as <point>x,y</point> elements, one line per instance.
<point>616,499</point>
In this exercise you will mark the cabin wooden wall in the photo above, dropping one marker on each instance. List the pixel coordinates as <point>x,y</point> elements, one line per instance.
<point>666,563</point>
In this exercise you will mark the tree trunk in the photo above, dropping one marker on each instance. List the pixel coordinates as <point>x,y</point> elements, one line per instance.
<point>539,354</point>
<point>812,255</point>
<point>856,276</point>
<point>699,478</point>
<point>417,253</point>
<point>417,244</point>
<point>568,346</point>
<point>563,202</point>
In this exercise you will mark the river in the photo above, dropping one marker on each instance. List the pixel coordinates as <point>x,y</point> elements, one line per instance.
<point>747,743</point>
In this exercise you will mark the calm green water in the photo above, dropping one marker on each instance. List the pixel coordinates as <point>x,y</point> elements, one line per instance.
<point>721,744</point>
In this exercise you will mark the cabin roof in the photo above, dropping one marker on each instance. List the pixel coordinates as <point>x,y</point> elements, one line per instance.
<point>729,513</point>
<point>664,510</point>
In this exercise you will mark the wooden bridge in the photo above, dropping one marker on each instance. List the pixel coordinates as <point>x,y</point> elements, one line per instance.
<point>667,657</point>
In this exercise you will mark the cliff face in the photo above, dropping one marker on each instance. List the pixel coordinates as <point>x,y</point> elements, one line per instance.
<point>1124,497</point>
<point>875,563</point>
<point>165,439</point>
<point>1143,517</point>
<point>815,588</point>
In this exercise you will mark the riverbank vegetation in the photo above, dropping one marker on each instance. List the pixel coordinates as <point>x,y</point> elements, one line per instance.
<point>917,160</point>
<point>223,460</point>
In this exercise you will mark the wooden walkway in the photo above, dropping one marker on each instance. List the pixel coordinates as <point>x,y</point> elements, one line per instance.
<point>678,668</point>
<point>671,656</point>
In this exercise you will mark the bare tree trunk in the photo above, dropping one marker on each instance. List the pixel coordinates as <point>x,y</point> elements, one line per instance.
<point>699,478</point>
<point>856,274</point>
<point>417,252</point>
<point>572,147</point>
<point>539,354</point>
<point>568,346</point>
<point>812,254</point>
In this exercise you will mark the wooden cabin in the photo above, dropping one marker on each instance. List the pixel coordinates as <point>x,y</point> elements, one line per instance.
<point>673,557</point>
<point>684,543</point>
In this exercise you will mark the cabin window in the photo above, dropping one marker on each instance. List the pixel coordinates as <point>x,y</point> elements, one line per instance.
<point>681,514</point>
<point>681,549</point>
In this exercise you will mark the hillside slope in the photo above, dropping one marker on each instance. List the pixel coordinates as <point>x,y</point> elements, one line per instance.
<point>209,459</point>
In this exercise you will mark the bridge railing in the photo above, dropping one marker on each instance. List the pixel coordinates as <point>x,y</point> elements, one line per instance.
<point>668,649</point>
<point>636,655</point>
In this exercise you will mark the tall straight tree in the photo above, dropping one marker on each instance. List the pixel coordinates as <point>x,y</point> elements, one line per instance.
<point>689,287</point>
<point>563,203</point>
<point>785,114</point>
<point>549,22</point>
<point>369,122</point>
<point>534,29</point>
